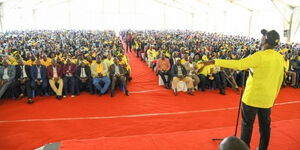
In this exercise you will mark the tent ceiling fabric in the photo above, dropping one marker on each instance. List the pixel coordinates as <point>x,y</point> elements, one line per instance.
<point>250,4</point>
<point>193,14</point>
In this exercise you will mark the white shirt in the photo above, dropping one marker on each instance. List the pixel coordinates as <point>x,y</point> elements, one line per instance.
<point>24,75</point>
<point>5,74</point>
<point>69,74</point>
<point>83,74</point>
<point>117,70</point>
<point>39,72</point>
<point>191,69</point>
<point>55,72</point>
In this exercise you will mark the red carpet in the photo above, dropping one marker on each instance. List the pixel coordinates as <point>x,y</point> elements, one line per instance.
<point>122,120</point>
<point>186,140</point>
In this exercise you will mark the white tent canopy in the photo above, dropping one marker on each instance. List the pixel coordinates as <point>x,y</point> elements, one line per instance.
<point>238,17</point>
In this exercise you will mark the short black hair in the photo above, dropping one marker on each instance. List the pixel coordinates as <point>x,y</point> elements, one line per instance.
<point>272,38</point>
<point>263,31</point>
<point>233,143</point>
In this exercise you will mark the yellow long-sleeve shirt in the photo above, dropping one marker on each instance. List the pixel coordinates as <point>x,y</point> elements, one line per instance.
<point>29,62</point>
<point>205,71</point>
<point>263,86</point>
<point>47,62</point>
<point>99,68</point>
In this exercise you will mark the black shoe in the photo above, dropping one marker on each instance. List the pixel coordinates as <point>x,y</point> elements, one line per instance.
<point>126,93</point>
<point>168,86</point>
<point>59,97</point>
<point>222,92</point>
<point>112,94</point>
<point>30,101</point>
<point>191,93</point>
<point>175,92</point>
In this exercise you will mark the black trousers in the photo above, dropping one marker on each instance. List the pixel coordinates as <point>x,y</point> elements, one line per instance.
<point>84,85</point>
<point>220,80</point>
<point>128,45</point>
<point>25,88</point>
<point>40,89</point>
<point>138,52</point>
<point>264,120</point>
<point>116,81</point>
<point>69,85</point>
<point>203,81</point>
<point>163,75</point>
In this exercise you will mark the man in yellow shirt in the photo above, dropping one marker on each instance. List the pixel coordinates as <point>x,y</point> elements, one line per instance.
<point>202,72</point>
<point>109,60</point>
<point>46,61</point>
<point>262,87</point>
<point>100,74</point>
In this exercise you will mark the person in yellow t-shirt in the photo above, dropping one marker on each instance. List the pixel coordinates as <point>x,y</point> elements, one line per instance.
<point>109,60</point>
<point>124,63</point>
<point>262,87</point>
<point>185,59</point>
<point>46,61</point>
<point>151,54</point>
<point>100,74</point>
<point>31,61</point>
<point>203,72</point>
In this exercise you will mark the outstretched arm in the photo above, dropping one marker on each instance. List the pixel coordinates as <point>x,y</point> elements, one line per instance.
<point>242,64</point>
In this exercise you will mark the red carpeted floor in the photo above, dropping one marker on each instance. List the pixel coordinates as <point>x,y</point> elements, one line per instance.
<point>150,118</point>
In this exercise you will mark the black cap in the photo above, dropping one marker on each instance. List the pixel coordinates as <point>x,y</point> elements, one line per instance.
<point>273,38</point>
<point>263,31</point>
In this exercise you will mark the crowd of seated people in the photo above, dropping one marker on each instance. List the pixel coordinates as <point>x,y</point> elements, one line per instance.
<point>177,55</point>
<point>61,63</point>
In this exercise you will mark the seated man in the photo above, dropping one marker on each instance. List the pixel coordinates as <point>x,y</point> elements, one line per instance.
<point>7,76</point>
<point>55,75</point>
<point>190,67</point>
<point>39,78</point>
<point>179,74</point>
<point>23,80</point>
<point>295,64</point>
<point>202,72</point>
<point>109,60</point>
<point>124,63</point>
<point>99,73</point>
<point>117,75</point>
<point>46,61</point>
<point>288,73</point>
<point>218,76</point>
<point>84,78</point>
<point>69,70</point>
<point>163,69</point>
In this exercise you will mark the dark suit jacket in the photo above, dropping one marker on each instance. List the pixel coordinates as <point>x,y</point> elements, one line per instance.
<point>34,73</point>
<point>19,71</point>
<point>174,70</point>
<point>11,72</point>
<point>59,71</point>
<point>112,70</point>
<point>72,70</point>
<point>87,71</point>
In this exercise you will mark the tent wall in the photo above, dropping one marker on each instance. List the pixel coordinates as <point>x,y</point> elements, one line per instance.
<point>217,16</point>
